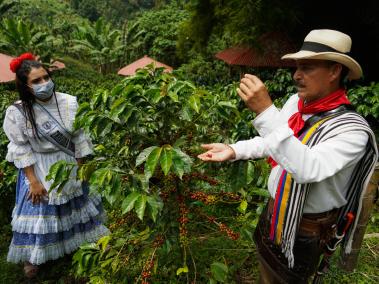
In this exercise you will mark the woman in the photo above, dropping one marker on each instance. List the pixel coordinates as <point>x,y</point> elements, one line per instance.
<point>47,224</point>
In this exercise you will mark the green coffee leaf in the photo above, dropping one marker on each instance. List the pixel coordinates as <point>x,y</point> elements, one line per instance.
<point>152,162</point>
<point>140,206</point>
<point>219,271</point>
<point>128,203</point>
<point>144,154</point>
<point>166,159</point>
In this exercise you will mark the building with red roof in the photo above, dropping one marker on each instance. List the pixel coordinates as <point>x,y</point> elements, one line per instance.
<point>141,63</point>
<point>6,75</point>
<point>266,52</point>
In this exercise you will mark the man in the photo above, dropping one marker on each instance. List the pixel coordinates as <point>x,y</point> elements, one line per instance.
<point>322,156</point>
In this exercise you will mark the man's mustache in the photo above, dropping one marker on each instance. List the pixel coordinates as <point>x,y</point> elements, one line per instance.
<point>299,84</point>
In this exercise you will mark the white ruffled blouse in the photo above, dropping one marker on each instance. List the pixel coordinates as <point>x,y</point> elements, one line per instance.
<point>25,149</point>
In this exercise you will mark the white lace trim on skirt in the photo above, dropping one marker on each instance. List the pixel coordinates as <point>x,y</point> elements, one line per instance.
<point>52,224</point>
<point>40,254</point>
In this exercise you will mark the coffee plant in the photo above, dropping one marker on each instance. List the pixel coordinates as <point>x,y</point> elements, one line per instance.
<point>366,99</point>
<point>165,205</point>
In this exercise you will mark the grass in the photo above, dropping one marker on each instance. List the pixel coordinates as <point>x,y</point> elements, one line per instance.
<point>367,270</point>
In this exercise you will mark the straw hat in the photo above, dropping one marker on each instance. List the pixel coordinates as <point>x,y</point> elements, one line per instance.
<point>328,45</point>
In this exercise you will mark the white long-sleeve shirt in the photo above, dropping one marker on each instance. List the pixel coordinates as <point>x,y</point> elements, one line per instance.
<point>327,165</point>
<point>25,149</point>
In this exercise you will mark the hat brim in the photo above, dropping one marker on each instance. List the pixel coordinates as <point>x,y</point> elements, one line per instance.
<point>355,70</point>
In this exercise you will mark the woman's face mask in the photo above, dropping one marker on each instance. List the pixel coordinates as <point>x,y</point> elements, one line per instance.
<point>43,91</point>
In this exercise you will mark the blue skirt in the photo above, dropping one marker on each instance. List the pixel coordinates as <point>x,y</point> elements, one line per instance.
<point>43,232</point>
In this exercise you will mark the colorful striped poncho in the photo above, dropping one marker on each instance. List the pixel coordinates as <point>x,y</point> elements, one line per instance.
<point>291,196</point>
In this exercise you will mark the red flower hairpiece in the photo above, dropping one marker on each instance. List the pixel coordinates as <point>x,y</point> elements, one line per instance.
<point>16,62</point>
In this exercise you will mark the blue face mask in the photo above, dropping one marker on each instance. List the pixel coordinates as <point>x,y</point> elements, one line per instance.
<point>43,91</point>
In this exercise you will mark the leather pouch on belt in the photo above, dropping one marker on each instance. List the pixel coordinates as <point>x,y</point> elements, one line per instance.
<point>317,227</point>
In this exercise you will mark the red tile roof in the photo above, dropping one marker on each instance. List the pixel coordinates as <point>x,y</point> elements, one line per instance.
<point>56,65</point>
<point>267,52</point>
<point>141,63</point>
<point>6,75</point>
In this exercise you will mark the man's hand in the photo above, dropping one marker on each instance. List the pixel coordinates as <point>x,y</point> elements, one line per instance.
<point>37,192</point>
<point>217,152</point>
<point>254,93</point>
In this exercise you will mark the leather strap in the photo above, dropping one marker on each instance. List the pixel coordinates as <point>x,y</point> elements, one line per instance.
<point>317,227</point>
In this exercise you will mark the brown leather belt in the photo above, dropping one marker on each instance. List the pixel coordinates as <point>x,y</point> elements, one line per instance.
<point>312,224</point>
<point>319,226</point>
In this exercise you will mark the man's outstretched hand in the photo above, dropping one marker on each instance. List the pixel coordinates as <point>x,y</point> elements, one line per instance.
<point>217,152</point>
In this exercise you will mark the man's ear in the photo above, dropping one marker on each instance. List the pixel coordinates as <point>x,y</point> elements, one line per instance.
<point>336,71</point>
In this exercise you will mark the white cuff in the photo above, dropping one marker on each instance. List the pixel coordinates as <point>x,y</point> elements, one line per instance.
<point>21,155</point>
<point>266,122</point>
<point>22,161</point>
<point>249,149</point>
<point>236,152</point>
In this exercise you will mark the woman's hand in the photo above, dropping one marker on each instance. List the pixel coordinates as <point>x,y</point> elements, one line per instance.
<point>37,192</point>
<point>217,152</point>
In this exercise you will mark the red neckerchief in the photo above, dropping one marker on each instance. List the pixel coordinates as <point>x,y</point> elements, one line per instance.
<point>296,122</point>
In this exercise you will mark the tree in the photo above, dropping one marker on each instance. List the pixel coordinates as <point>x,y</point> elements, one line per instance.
<point>114,11</point>
<point>132,39</point>
<point>19,36</point>
<point>239,21</point>
<point>89,10</point>
<point>101,43</point>
<point>147,132</point>
<point>5,6</point>
<point>161,28</point>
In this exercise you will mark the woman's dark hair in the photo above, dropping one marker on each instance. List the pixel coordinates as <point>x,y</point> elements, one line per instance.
<point>26,95</point>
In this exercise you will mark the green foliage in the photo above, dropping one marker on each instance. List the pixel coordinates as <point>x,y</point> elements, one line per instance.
<point>366,99</point>
<point>196,30</point>
<point>147,130</point>
<point>80,80</point>
<point>280,86</point>
<point>7,170</point>
<point>18,36</point>
<point>5,6</point>
<point>60,173</point>
<point>88,9</point>
<point>55,18</point>
<point>160,28</point>
<point>173,218</point>
<point>111,10</point>
<point>44,27</point>
<point>206,72</point>
<point>45,13</point>
<point>239,21</point>
<point>101,43</point>
<point>219,271</point>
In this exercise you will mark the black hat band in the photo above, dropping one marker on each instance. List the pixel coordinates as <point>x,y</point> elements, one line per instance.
<point>319,47</point>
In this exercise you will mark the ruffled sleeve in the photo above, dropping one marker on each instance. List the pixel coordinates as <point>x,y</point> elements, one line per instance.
<point>82,141</point>
<point>20,151</point>
<point>83,144</point>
